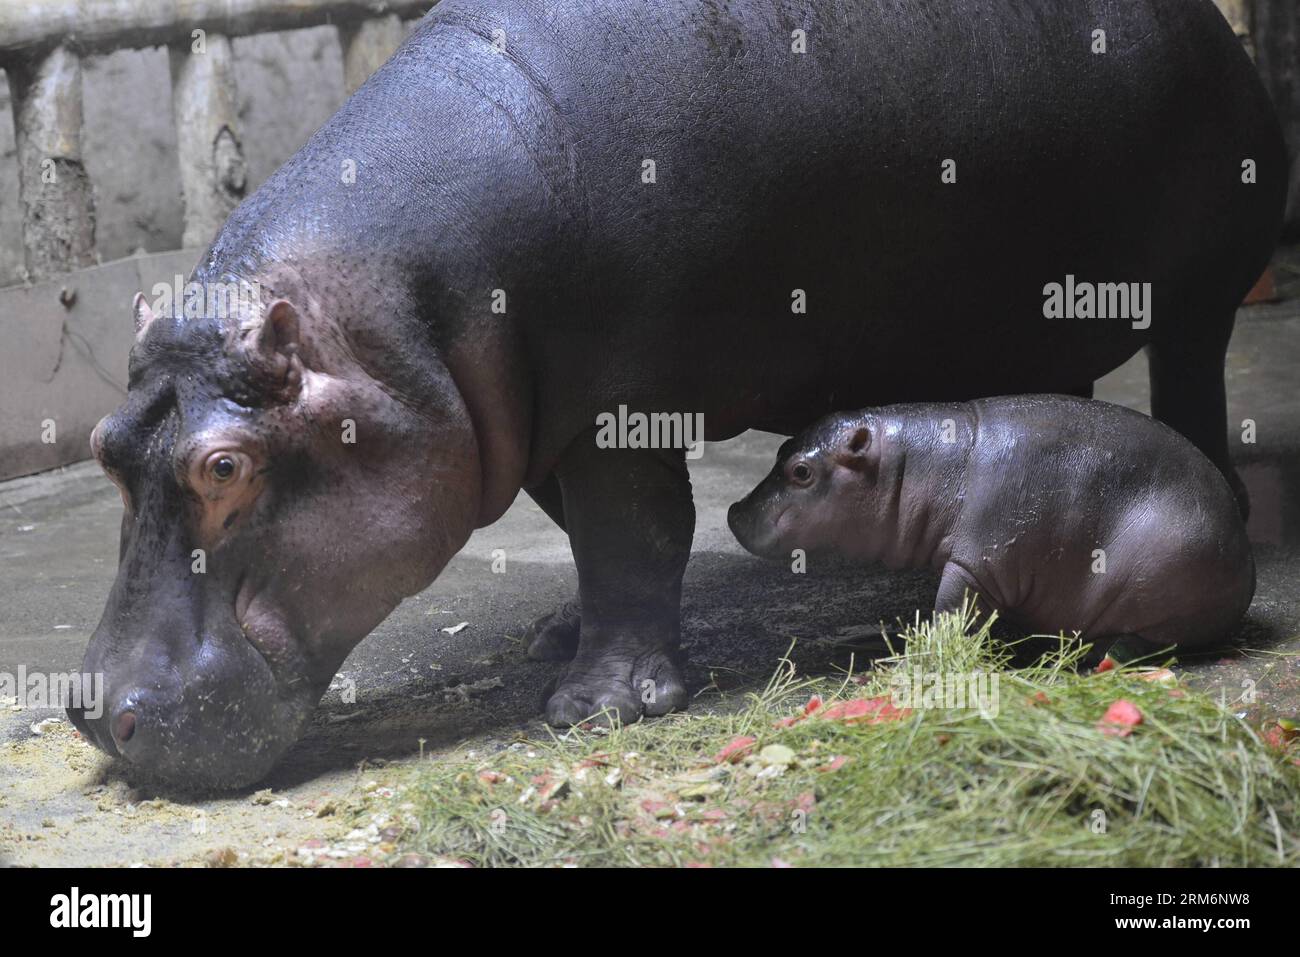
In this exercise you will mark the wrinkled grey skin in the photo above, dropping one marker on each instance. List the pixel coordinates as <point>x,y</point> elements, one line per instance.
<point>520,169</point>
<point>302,556</point>
<point>1010,499</point>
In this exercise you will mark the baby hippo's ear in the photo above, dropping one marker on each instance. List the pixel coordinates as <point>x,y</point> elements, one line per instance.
<point>854,443</point>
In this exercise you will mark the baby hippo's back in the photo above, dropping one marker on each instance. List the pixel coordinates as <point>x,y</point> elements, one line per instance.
<point>1083,516</point>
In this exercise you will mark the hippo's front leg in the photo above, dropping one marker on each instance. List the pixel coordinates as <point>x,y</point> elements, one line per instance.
<point>630,520</point>
<point>554,636</point>
<point>956,587</point>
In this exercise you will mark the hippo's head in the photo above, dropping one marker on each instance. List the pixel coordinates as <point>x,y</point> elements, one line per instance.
<point>280,501</point>
<point>814,497</point>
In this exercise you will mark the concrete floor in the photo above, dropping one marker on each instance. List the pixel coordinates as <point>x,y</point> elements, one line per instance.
<point>62,802</point>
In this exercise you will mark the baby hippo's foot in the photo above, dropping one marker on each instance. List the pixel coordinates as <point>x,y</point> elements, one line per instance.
<point>554,636</point>
<point>1127,650</point>
<point>623,679</point>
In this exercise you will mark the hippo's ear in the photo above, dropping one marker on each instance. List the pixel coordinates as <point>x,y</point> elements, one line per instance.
<point>142,314</point>
<point>853,448</point>
<point>272,343</point>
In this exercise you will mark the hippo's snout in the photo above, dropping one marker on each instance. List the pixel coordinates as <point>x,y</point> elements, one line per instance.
<point>108,731</point>
<point>735,519</point>
<point>208,712</point>
<point>92,729</point>
<point>754,528</point>
<point>738,521</point>
<point>133,728</point>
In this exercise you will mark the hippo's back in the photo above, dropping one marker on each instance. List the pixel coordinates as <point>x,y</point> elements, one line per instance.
<point>1105,449</point>
<point>730,154</point>
<point>1075,482</point>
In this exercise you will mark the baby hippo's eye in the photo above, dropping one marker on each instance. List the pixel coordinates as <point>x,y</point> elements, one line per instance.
<point>223,468</point>
<point>801,473</point>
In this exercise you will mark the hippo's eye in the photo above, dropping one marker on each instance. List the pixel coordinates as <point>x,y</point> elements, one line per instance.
<point>221,467</point>
<point>802,473</point>
<point>223,482</point>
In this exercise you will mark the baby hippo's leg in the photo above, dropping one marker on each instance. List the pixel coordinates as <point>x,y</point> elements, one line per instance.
<point>955,586</point>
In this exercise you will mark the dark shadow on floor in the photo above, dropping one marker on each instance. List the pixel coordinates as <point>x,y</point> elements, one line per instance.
<point>740,618</point>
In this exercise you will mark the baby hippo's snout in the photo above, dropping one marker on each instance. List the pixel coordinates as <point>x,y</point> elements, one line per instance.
<point>759,519</point>
<point>754,526</point>
<point>802,501</point>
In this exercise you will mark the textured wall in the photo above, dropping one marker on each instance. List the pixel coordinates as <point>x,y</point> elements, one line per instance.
<point>289,84</point>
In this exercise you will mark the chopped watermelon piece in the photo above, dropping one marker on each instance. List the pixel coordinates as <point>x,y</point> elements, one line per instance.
<point>1120,719</point>
<point>864,711</point>
<point>735,750</point>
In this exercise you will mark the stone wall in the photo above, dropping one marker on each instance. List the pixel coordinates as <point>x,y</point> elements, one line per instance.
<point>289,84</point>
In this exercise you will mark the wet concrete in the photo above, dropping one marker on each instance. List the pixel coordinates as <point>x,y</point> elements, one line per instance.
<point>420,688</point>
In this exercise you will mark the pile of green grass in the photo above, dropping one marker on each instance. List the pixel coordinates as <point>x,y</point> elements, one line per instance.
<point>1037,784</point>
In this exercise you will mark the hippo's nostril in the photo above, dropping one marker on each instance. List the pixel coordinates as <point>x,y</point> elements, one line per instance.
<point>124,727</point>
<point>94,730</point>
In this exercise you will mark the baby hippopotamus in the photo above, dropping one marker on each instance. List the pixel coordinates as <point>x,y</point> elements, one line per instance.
<point>1064,514</point>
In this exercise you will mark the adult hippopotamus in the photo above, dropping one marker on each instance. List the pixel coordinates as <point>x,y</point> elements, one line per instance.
<point>1061,513</point>
<point>536,213</point>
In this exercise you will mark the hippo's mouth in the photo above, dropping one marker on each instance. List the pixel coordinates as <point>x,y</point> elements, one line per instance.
<point>761,538</point>
<point>266,629</point>
<point>243,598</point>
<point>91,731</point>
<point>778,526</point>
<point>218,713</point>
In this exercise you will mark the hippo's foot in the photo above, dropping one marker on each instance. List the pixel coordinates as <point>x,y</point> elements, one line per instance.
<point>554,636</point>
<point>623,684</point>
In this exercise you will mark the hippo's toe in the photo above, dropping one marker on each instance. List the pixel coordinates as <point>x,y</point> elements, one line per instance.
<point>669,688</point>
<point>568,707</point>
<point>554,636</point>
<point>577,701</point>
<point>609,686</point>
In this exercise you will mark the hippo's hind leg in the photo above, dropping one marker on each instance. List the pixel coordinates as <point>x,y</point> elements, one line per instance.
<point>1185,361</point>
<point>630,520</point>
<point>554,635</point>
